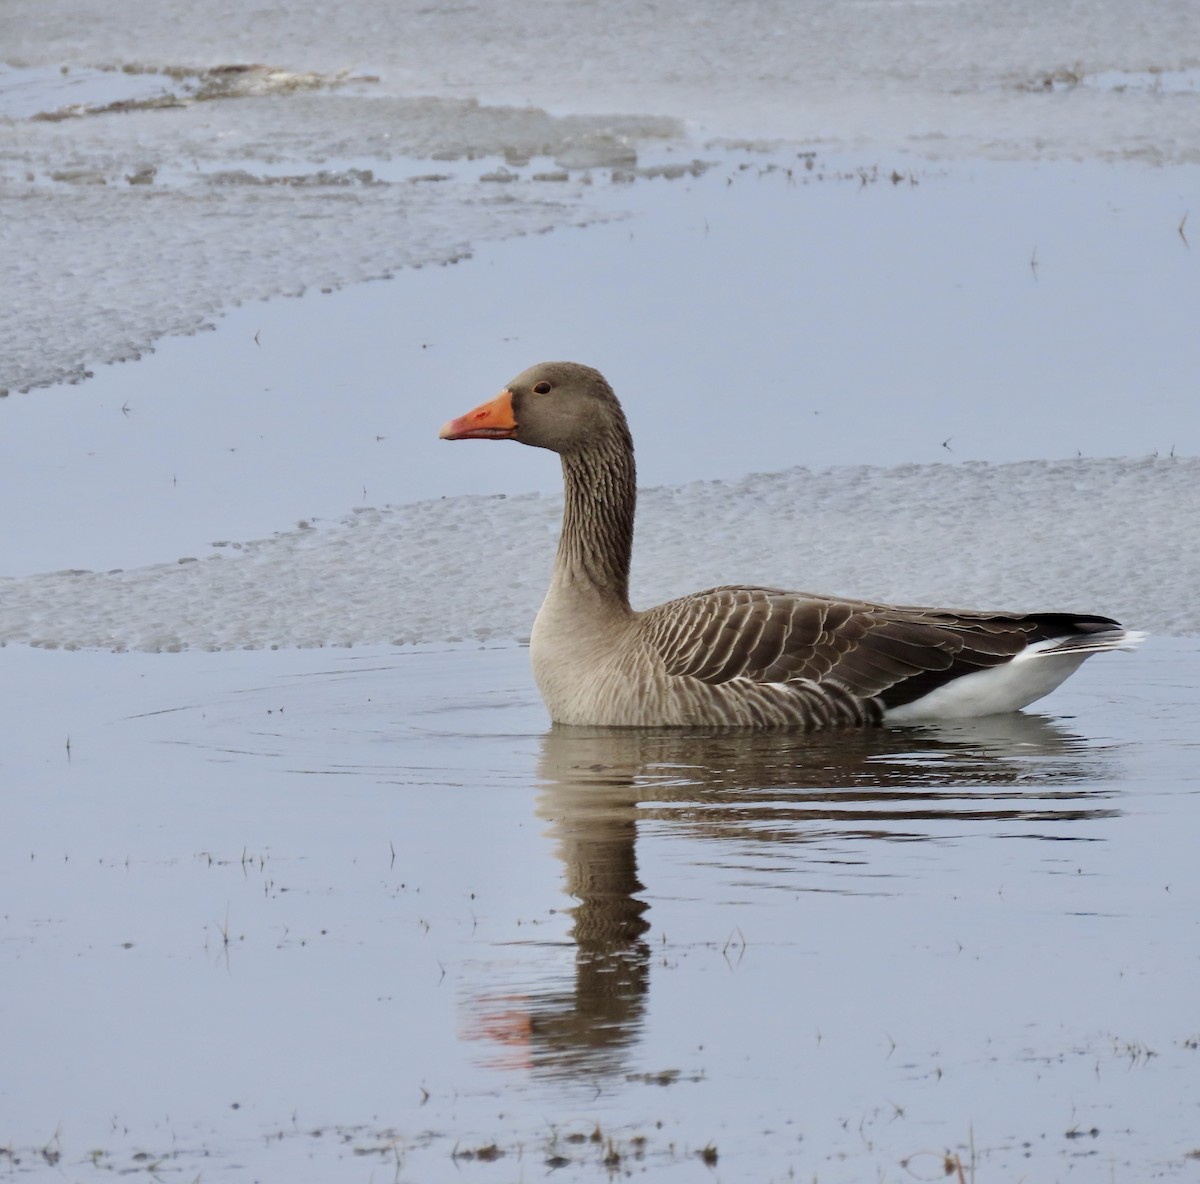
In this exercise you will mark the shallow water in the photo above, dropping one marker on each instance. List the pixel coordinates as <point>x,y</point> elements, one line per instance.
<point>361,915</point>
<point>316,146</point>
<point>358,913</point>
<point>750,323</point>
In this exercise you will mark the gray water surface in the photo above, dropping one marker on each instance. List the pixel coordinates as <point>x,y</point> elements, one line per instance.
<point>346,915</point>
<point>901,301</point>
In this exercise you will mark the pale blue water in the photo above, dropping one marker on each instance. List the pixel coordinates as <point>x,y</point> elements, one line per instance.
<point>451,928</point>
<point>329,913</point>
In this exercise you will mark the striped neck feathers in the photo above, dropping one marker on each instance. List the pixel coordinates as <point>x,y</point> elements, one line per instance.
<point>600,494</point>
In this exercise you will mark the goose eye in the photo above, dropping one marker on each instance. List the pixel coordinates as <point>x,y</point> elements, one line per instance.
<point>542,388</point>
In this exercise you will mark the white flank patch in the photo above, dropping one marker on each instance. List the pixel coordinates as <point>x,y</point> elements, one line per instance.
<point>1015,684</point>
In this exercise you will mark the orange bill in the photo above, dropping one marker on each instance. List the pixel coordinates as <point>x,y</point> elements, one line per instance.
<point>489,421</point>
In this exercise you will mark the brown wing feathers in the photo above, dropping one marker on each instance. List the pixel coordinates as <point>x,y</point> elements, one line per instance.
<point>895,653</point>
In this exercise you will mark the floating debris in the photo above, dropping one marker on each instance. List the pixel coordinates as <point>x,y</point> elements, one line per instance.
<point>193,85</point>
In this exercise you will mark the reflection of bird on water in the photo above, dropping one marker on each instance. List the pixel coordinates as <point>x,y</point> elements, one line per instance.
<point>588,1026</point>
<point>1015,767</point>
<point>765,788</point>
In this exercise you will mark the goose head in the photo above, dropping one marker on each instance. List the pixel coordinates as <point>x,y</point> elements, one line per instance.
<point>562,406</point>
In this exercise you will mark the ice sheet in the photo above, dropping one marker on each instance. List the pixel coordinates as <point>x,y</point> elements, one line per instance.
<point>750,322</point>
<point>210,160</point>
<point>1018,78</point>
<point>1089,536</point>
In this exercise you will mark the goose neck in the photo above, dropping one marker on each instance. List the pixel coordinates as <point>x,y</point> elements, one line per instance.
<point>600,493</point>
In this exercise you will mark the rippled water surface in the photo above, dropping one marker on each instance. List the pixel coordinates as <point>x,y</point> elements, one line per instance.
<point>359,915</point>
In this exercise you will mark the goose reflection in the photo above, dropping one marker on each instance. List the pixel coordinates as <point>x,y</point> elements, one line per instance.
<point>599,786</point>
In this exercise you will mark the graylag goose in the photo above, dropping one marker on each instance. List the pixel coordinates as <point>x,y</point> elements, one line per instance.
<point>738,655</point>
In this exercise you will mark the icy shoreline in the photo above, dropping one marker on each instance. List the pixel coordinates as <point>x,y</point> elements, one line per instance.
<point>1081,535</point>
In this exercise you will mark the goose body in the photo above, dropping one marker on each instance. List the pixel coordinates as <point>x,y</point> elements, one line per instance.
<point>740,655</point>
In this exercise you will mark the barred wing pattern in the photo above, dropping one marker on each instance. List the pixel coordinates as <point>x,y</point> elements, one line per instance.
<point>874,651</point>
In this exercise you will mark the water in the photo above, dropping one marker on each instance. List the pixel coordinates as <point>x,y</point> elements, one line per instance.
<point>335,916</point>
<point>749,322</point>
<point>900,299</point>
<point>353,101</point>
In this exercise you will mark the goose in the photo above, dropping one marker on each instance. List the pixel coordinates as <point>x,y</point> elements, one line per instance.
<point>742,656</point>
